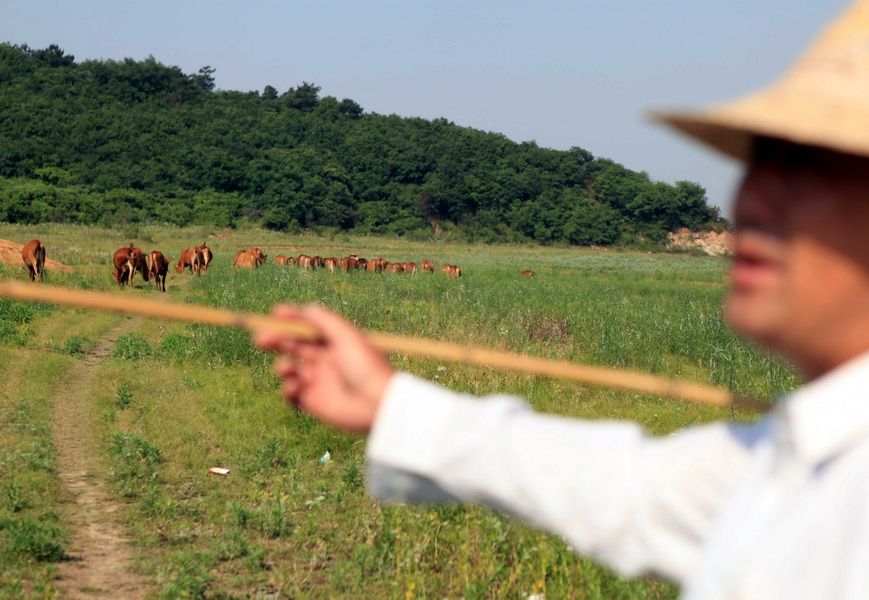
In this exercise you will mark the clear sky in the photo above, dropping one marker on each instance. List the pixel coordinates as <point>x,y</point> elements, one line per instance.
<point>562,73</point>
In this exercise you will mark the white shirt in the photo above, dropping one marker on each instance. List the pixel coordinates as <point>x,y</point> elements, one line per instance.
<point>776,509</point>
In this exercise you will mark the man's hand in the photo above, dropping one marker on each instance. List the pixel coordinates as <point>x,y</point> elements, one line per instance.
<point>340,379</point>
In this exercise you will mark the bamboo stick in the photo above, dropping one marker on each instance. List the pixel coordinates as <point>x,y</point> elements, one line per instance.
<point>446,351</point>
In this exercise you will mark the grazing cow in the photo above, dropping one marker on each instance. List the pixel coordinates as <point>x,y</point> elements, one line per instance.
<point>260,256</point>
<point>252,258</point>
<point>452,271</point>
<point>305,262</point>
<point>394,268</point>
<point>317,262</point>
<point>528,273</point>
<point>158,266</point>
<point>363,264</point>
<point>346,264</point>
<point>409,267</point>
<point>188,259</point>
<point>427,266</point>
<point>126,262</point>
<point>205,255</point>
<point>282,260</point>
<point>246,259</point>
<point>331,264</point>
<point>378,265</point>
<point>33,255</point>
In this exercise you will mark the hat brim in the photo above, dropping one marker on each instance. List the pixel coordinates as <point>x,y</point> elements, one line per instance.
<point>801,117</point>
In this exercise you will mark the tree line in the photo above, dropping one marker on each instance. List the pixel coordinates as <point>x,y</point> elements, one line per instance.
<point>111,142</point>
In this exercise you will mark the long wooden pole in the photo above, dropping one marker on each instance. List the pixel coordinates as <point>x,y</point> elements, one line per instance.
<point>446,351</point>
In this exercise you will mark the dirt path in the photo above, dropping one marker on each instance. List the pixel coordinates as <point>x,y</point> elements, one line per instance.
<point>100,558</point>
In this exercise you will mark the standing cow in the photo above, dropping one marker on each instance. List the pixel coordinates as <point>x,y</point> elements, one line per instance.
<point>158,266</point>
<point>188,259</point>
<point>204,256</point>
<point>126,262</point>
<point>452,271</point>
<point>33,255</point>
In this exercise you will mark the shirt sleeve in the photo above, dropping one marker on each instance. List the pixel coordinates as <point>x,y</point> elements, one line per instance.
<point>639,504</point>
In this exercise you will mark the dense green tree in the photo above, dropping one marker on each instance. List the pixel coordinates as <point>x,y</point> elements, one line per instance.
<point>115,141</point>
<point>304,97</point>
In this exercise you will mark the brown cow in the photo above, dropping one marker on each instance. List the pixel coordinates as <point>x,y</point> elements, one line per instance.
<point>452,271</point>
<point>282,260</point>
<point>33,255</point>
<point>378,265</point>
<point>330,264</point>
<point>246,259</point>
<point>409,267</point>
<point>126,262</point>
<point>346,264</point>
<point>394,268</point>
<point>305,262</point>
<point>189,259</point>
<point>252,258</point>
<point>317,262</point>
<point>260,256</point>
<point>363,264</point>
<point>205,255</point>
<point>528,273</point>
<point>158,266</point>
<point>427,266</point>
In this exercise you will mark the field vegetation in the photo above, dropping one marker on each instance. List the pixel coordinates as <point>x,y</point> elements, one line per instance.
<point>170,401</point>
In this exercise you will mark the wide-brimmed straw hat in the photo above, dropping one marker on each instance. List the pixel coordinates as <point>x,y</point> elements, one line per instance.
<point>822,101</point>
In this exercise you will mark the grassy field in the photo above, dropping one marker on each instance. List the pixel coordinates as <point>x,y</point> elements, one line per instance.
<point>174,400</point>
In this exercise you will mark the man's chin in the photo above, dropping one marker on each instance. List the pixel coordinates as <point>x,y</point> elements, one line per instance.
<point>750,317</point>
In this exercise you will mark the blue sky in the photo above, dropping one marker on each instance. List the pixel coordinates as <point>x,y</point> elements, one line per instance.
<point>561,73</point>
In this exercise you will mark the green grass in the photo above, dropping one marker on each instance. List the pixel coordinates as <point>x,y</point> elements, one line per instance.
<point>31,537</point>
<point>175,400</point>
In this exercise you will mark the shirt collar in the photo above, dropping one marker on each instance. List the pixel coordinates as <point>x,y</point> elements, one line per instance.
<point>831,413</point>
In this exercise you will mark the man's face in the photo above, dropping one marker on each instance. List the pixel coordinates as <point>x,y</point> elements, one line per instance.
<point>799,281</point>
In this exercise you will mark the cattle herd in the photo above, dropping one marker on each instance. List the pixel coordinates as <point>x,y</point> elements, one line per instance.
<point>154,265</point>
<point>355,262</point>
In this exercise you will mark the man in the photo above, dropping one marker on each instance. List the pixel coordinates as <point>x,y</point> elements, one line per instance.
<point>778,509</point>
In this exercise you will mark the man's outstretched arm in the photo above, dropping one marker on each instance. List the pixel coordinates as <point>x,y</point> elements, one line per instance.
<point>636,503</point>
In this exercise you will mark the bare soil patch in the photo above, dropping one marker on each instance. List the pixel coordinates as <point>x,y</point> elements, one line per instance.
<point>99,555</point>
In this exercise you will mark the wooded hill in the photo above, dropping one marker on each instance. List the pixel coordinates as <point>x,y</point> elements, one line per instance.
<point>111,142</point>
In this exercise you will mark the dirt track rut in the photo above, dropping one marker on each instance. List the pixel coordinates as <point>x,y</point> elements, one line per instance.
<point>99,555</point>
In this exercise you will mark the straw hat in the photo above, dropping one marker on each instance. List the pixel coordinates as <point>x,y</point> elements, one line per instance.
<point>822,101</point>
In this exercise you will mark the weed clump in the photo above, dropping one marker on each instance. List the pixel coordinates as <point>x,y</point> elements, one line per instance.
<point>77,345</point>
<point>176,345</point>
<point>13,496</point>
<point>124,395</point>
<point>132,347</point>
<point>40,539</point>
<point>135,463</point>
